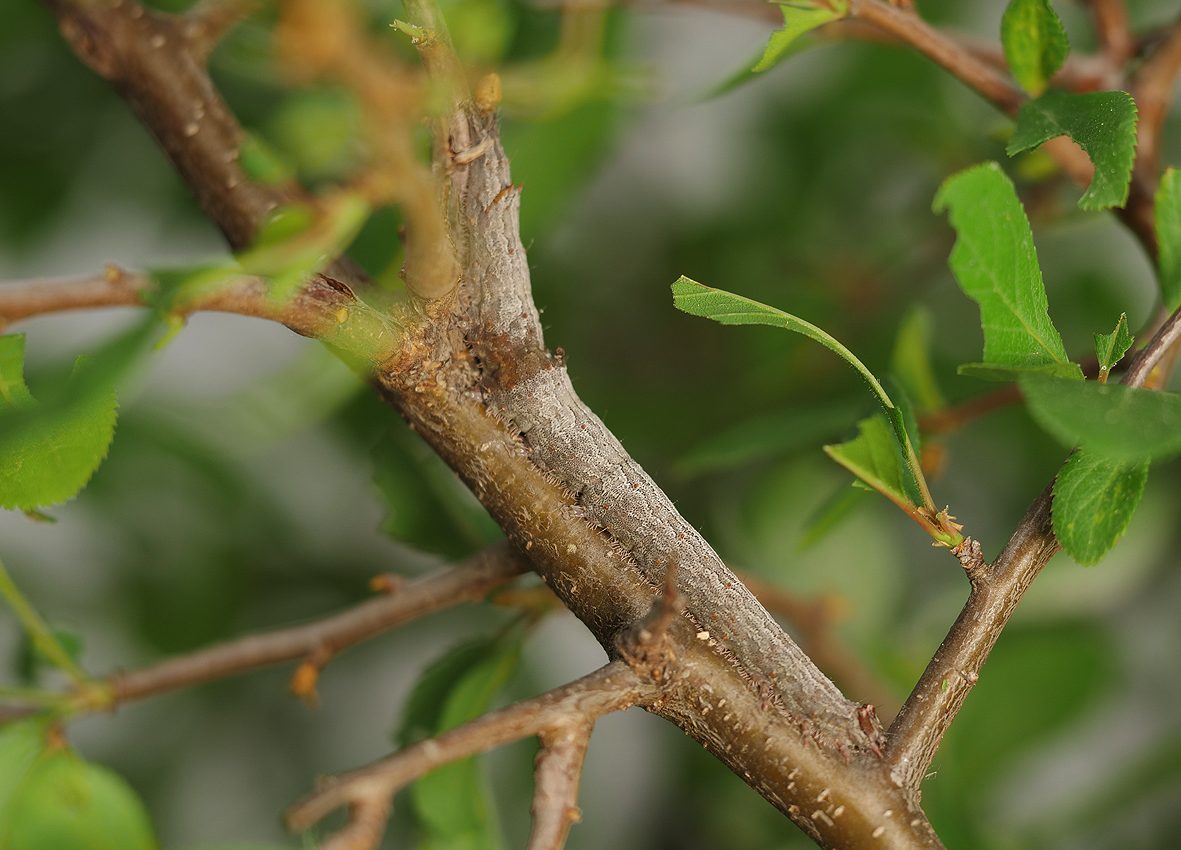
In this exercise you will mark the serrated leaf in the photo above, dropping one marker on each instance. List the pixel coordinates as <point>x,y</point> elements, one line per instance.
<point>66,803</point>
<point>50,449</point>
<point>1108,420</point>
<point>1101,123</point>
<point>911,361</point>
<point>1034,42</point>
<point>1168,237</point>
<point>1094,500</point>
<point>996,264</point>
<point>726,308</point>
<point>798,19</point>
<point>453,803</point>
<point>1110,348</point>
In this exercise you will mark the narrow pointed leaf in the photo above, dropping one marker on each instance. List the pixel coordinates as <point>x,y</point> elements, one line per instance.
<point>1168,237</point>
<point>996,264</point>
<point>911,361</point>
<point>1108,420</point>
<point>798,19</point>
<point>1034,42</point>
<point>697,299</point>
<point>1102,123</point>
<point>1110,348</point>
<point>1094,500</point>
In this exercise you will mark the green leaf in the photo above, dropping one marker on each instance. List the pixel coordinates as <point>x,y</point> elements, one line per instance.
<point>297,242</point>
<point>726,308</point>
<point>21,746</point>
<point>996,265</point>
<point>1034,41</point>
<point>1109,420</point>
<point>32,656</point>
<point>911,361</point>
<point>49,450</point>
<point>1102,123</point>
<point>798,19</point>
<point>1168,237</point>
<point>998,372</point>
<point>1110,348</point>
<point>873,457</point>
<point>262,163</point>
<point>1094,500</point>
<point>66,803</point>
<point>453,803</point>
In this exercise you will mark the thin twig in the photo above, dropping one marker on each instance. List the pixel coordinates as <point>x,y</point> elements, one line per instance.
<point>953,418</point>
<point>1153,88</point>
<point>370,789</point>
<point>1111,26</point>
<point>908,27</point>
<point>322,309</point>
<point>557,773</point>
<point>914,736</point>
<point>1157,351</point>
<point>321,640</point>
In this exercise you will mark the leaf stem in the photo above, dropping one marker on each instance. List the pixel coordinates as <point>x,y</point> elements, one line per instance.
<point>38,630</point>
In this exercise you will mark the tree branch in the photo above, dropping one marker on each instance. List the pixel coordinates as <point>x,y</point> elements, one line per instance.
<point>557,773</point>
<point>1111,26</point>
<point>1161,349</point>
<point>324,308</point>
<point>1153,87</point>
<point>565,711</point>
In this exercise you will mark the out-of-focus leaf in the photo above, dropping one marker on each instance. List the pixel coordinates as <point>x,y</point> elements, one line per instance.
<point>801,427</point>
<point>1168,237</point>
<point>1109,420</point>
<point>66,803</point>
<point>726,308</point>
<point>298,242</point>
<point>911,361</point>
<point>317,132</point>
<point>1034,42</point>
<point>1110,348</point>
<point>479,29</point>
<point>1094,500</point>
<point>262,163</point>
<point>453,803</point>
<point>32,657</point>
<point>426,506</point>
<point>831,514</point>
<point>798,19</point>
<point>50,449</point>
<point>21,746</point>
<point>1102,123</point>
<point>996,265</point>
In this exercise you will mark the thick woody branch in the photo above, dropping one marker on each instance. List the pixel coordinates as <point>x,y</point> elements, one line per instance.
<point>474,378</point>
<point>564,712</point>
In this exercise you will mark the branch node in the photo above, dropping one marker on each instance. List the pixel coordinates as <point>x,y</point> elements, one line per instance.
<point>971,557</point>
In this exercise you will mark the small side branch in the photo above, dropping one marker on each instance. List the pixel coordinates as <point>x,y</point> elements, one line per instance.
<point>321,640</point>
<point>1160,350</point>
<point>1111,26</point>
<point>557,772</point>
<point>914,736</point>
<point>368,792</point>
<point>1153,88</point>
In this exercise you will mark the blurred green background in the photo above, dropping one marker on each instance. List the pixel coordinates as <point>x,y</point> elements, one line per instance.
<point>254,482</point>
